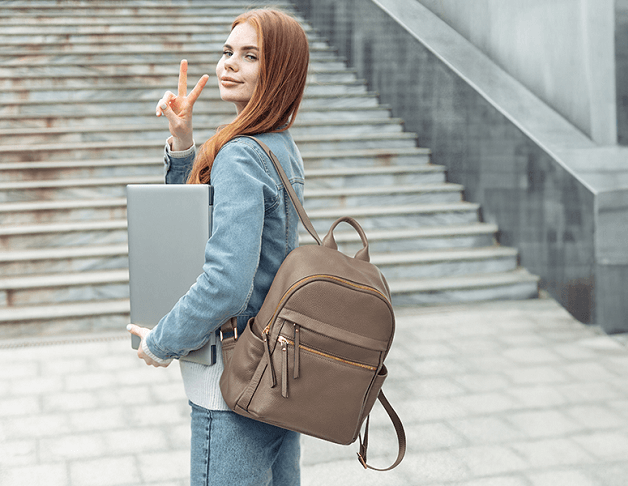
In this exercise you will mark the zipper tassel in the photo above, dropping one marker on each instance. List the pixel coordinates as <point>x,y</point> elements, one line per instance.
<point>284,369</point>
<point>273,378</point>
<point>297,348</point>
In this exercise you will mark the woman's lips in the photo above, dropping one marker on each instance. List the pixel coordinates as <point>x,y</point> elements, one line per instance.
<point>228,82</point>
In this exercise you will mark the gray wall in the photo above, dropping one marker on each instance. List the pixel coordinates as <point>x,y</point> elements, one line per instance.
<point>562,50</point>
<point>483,127</point>
<point>621,63</point>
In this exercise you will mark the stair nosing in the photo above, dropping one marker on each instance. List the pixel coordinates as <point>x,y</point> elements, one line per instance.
<point>66,310</point>
<point>154,127</point>
<point>111,144</point>
<point>462,282</point>
<point>70,279</point>
<point>443,255</point>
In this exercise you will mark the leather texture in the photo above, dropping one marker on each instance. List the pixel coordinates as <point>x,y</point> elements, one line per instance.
<point>312,360</point>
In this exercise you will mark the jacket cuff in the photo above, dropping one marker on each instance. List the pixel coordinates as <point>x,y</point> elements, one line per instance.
<point>179,154</point>
<point>152,355</point>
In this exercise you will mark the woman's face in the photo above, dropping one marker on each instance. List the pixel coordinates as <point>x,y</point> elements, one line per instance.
<point>238,68</point>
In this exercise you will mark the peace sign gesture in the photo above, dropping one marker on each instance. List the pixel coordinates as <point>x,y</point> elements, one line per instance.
<point>178,109</point>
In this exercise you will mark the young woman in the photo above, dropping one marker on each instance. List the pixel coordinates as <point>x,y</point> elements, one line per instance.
<point>262,72</point>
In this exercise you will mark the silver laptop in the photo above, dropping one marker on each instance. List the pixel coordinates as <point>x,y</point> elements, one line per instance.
<point>168,225</point>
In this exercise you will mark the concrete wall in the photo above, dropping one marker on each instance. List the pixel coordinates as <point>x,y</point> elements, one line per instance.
<point>621,64</point>
<point>562,50</point>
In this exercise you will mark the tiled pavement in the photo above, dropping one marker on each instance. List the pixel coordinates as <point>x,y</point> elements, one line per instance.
<point>491,394</point>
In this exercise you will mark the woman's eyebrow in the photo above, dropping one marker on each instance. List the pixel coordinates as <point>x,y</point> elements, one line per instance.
<point>244,48</point>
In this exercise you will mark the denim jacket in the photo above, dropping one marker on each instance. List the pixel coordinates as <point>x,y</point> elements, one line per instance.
<point>254,228</point>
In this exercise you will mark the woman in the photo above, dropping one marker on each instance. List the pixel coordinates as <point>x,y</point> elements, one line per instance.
<point>262,72</point>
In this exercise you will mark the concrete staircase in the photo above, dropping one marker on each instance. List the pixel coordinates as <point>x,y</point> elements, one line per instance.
<point>78,89</point>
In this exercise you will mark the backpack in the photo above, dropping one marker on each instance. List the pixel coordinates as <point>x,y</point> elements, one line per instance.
<point>312,360</point>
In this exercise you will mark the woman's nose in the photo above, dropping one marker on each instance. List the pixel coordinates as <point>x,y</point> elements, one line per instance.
<point>231,64</point>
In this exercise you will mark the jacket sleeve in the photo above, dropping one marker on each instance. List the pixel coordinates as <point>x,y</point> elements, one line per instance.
<point>242,189</point>
<point>177,165</point>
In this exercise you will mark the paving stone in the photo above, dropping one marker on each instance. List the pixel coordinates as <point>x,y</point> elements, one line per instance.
<point>72,447</point>
<point>69,401</point>
<point>98,419</point>
<point>537,375</point>
<point>486,430</point>
<point>114,471</point>
<point>486,403</point>
<point>35,475</point>
<point>563,478</point>
<point>17,453</point>
<point>10,407</point>
<point>490,460</point>
<point>537,396</point>
<point>605,445</point>
<point>134,440</point>
<point>543,423</point>
<point>435,436</point>
<point>38,385</point>
<point>483,382</point>
<point>551,453</point>
<point>171,465</point>
<point>596,417</point>
<point>496,481</point>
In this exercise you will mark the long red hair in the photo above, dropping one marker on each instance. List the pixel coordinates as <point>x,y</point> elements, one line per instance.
<point>284,59</point>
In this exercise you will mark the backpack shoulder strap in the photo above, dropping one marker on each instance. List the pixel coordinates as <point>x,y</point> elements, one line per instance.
<point>401,436</point>
<point>289,189</point>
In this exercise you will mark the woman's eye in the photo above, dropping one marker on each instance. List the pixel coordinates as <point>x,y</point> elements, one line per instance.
<point>251,57</point>
<point>227,53</point>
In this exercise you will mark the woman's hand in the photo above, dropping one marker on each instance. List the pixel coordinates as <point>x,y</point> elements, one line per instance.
<point>142,332</point>
<point>178,109</point>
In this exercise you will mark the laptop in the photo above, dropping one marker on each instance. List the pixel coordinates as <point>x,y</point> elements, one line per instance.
<point>168,226</point>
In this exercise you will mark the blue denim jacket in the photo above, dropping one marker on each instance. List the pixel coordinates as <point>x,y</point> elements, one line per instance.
<point>254,228</point>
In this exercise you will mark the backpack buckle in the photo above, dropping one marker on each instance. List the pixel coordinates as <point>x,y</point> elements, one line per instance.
<point>234,323</point>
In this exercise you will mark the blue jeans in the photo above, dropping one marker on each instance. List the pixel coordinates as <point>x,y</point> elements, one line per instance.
<point>228,449</point>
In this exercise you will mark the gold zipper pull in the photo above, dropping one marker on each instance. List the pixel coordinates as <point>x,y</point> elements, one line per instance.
<point>269,362</point>
<point>284,368</point>
<point>297,352</point>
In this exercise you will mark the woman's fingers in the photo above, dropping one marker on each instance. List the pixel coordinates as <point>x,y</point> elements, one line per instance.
<point>164,103</point>
<point>183,78</point>
<point>137,330</point>
<point>196,92</point>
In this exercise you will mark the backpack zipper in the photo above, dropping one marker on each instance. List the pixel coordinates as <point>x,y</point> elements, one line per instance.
<point>284,340</point>
<point>313,277</point>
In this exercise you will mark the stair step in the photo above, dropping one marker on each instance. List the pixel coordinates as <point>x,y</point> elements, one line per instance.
<point>84,316</point>
<point>381,195</point>
<point>322,61</point>
<point>408,239</point>
<point>63,260</point>
<point>113,283</point>
<point>515,285</point>
<point>448,262</point>
<point>59,288</point>
<point>414,159</point>
<point>511,285</point>
<point>154,130</point>
<point>155,92</point>
<point>206,103</point>
<point>137,148</point>
<point>95,256</point>
<point>371,218</point>
<point>75,233</point>
<point>115,187</point>
<point>214,117</point>
<point>54,235</point>
<point>15,83</point>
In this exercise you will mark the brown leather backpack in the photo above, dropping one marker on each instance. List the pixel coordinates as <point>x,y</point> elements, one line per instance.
<point>312,360</point>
